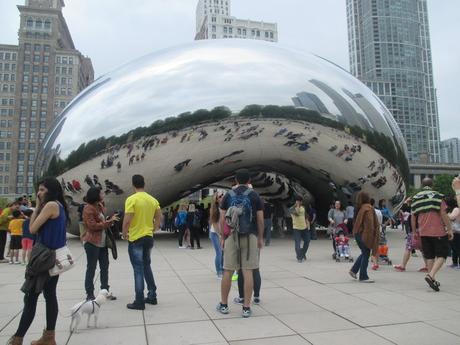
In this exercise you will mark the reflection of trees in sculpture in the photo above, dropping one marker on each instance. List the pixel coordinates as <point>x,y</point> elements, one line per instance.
<point>379,142</point>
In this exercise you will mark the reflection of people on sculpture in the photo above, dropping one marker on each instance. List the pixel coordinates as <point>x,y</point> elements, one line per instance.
<point>112,188</point>
<point>88,181</point>
<point>178,167</point>
<point>96,181</point>
<point>118,166</point>
<point>76,185</point>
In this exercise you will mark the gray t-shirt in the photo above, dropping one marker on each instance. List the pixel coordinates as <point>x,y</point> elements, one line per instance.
<point>337,215</point>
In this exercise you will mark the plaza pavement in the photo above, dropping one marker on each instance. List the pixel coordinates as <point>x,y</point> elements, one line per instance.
<point>309,303</point>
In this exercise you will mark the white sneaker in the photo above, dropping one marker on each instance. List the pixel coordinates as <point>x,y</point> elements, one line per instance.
<point>182,247</point>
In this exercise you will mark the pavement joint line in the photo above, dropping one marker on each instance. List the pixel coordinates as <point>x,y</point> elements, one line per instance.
<point>12,319</point>
<point>441,329</point>
<point>145,328</point>
<point>325,309</point>
<point>193,296</point>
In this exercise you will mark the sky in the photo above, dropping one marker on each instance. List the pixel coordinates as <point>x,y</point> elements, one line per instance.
<point>114,32</point>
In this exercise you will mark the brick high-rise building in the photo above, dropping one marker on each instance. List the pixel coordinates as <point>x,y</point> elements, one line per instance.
<point>38,78</point>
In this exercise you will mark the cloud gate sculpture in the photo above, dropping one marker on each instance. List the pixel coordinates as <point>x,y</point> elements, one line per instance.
<point>188,117</point>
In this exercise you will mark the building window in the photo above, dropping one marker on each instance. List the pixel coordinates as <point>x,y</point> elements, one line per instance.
<point>30,23</point>
<point>39,24</point>
<point>45,69</point>
<point>47,24</point>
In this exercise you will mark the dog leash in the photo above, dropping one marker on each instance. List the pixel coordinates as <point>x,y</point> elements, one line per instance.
<point>80,306</point>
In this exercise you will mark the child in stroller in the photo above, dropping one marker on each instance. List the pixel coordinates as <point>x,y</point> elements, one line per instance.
<point>342,247</point>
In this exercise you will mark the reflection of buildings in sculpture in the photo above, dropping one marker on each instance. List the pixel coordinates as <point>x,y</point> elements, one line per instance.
<point>312,102</point>
<point>347,111</point>
<point>213,21</point>
<point>374,117</point>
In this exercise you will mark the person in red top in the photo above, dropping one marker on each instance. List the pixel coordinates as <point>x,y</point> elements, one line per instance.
<point>76,185</point>
<point>341,242</point>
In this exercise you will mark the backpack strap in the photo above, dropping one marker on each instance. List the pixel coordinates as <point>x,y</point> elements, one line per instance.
<point>247,192</point>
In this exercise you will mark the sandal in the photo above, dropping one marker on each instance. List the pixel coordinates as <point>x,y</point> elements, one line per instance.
<point>432,283</point>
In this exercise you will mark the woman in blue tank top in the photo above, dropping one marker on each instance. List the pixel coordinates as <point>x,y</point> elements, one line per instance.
<point>48,222</point>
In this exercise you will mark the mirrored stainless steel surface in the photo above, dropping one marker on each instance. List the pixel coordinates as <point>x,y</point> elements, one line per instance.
<point>187,117</point>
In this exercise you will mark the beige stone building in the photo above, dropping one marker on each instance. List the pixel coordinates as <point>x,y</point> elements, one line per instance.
<point>214,21</point>
<point>38,78</point>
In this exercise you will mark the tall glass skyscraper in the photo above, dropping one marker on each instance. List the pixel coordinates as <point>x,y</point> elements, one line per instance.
<point>390,51</point>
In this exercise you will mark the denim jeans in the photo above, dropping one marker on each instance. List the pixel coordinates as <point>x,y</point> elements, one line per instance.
<point>344,250</point>
<point>181,229</point>
<point>298,236</point>
<point>267,230</point>
<point>362,261</point>
<point>215,239</point>
<point>139,255</point>
<point>313,234</point>
<point>93,255</point>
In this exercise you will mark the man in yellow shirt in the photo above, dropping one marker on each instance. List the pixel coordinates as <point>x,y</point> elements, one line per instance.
<point>301,228</point>
<point>142,218</point>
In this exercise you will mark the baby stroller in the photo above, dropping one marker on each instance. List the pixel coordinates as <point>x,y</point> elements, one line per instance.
<point>342,248</point>
<point>334,233</point>
<point>383,249</point>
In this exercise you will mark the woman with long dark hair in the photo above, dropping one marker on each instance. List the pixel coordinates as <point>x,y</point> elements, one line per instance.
<point>214,233</point>
<point>366,231</point>
<point>95,241</point>
<point>49,222</point>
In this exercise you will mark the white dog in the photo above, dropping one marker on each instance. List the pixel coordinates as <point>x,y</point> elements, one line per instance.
<point>91,307</point>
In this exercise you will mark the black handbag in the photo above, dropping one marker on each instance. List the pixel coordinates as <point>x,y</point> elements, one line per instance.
<point>111,243</point>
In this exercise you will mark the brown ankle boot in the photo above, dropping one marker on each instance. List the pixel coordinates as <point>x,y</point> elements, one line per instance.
<point>47,338</point>
<point>15,341</point>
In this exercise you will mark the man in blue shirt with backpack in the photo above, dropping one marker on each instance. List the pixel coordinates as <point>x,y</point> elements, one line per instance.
<point>242,229</point>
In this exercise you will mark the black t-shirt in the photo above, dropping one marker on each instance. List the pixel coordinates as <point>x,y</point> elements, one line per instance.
<point>256,203</point>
